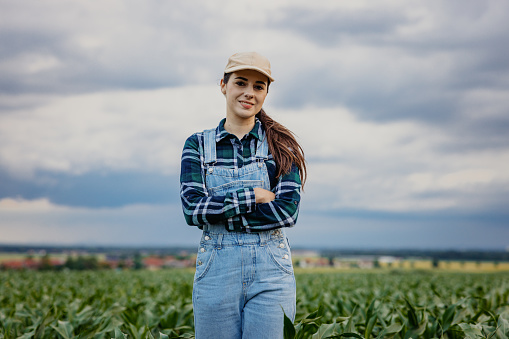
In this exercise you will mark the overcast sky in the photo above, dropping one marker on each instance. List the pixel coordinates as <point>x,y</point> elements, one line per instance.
<point>402,108</point>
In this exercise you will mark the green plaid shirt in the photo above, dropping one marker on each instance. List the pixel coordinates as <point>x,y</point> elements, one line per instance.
<point>200,208</point>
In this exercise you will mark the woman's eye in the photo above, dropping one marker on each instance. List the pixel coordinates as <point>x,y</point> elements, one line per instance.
<point>259,88</point>
<point>240,83</point>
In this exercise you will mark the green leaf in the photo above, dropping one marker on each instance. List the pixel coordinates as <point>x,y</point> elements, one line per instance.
<point>163,336</point>
<point>433,288</point>
<point>350,325</point>
<point>503,325</point>
<point>109,325</point>
<point>447,317</point>
<point>119,334</point>
<point>349,335</point>
<point>412,316</point>
<point>305,330</point>
<point>369,326</point>
<point>391,329</point>
<point>134,331</point>
<point>371,308</point>
<point>471,331</point>
<point>28,335</point>
<point>65,329</point>
<point>316,314</point>
<point>416,332</point>
<point>325,331</point>
<point>144,332</point>
<point>42,326</point>
<point>289,329</point>
<point>85,313</point>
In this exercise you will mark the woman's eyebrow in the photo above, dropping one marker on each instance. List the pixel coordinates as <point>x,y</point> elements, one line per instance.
<point>258,82</point>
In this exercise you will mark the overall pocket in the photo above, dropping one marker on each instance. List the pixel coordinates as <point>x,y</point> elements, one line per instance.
<point>233,186</point>
<point>279,252</point>
<point>204,260</point>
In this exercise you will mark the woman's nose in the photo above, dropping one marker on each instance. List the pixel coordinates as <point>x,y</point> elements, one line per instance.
<point>248,94</point>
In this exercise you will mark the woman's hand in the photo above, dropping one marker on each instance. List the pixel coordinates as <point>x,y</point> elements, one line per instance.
<point>263,196</point>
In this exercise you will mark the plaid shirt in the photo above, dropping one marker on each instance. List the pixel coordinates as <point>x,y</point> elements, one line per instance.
<point>237,210</point>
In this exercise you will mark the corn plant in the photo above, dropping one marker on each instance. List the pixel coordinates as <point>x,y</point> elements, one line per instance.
<point>351,304</point>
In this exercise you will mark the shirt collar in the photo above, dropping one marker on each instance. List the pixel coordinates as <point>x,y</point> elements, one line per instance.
<point>257,131</point>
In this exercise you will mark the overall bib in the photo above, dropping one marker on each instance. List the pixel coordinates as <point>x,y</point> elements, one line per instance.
<point>243,281</point>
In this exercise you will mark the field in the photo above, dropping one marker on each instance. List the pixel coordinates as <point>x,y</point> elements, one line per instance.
<point>331,304</point>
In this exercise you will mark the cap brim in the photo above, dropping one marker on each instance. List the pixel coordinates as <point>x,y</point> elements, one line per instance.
<point>239,68</point>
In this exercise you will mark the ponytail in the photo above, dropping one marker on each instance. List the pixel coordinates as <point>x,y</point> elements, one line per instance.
<point>284,147</point>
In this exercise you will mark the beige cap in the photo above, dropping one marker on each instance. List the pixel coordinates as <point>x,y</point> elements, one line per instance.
<point>249,60</point>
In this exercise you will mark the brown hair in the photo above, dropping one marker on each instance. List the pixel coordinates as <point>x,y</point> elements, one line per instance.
<point>282,143</point>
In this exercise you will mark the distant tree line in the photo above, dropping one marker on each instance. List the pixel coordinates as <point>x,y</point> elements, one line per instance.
<point>87,262</point>
<point>113,250</point>
<point>82,263</point>
<point>79,263</point>
<point>471,255</point>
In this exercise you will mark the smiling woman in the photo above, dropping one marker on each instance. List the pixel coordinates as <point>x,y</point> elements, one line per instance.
<point>240,184</point>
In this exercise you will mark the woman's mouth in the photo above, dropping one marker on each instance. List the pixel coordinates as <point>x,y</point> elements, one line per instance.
<point>246,104</point>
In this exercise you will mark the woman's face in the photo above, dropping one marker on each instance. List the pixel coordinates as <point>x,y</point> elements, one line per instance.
<point>245,93</point>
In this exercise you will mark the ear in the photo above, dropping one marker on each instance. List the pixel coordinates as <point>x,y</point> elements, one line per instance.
<point>223,87</point>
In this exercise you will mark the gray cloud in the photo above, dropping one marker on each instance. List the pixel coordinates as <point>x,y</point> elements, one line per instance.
<point>327,28</point>
<point>94,190</point>
<point>39,222</point>
<point>402,108</point>
<point>478,135</point>
<point>419,28</point>
<point>407,62</point>
<point>77,48</point>
<point>368,98</point>
<point>356,230</point>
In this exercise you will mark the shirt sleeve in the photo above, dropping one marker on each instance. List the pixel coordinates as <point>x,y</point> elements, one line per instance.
<point>200,208</point>
<point>281,212</point>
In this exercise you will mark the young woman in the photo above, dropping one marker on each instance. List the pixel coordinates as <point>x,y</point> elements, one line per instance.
<point>240,184</point>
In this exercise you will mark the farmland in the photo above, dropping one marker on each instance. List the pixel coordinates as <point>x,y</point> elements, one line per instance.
<point>331,303</point>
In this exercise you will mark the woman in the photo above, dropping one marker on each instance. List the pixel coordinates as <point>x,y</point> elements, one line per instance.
<point>240,184</point>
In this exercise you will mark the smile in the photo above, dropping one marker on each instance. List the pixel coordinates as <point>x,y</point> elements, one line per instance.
<point>246,104</point>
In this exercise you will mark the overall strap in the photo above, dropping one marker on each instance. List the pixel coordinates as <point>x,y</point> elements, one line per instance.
<point>209,146</point>
<point>262,149</point>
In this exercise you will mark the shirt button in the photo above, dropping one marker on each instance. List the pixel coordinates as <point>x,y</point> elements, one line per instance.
<point>211,170</point>
<point>207,237</point>
<point>200,263</point>
<point>281,245</point>
<point>285,256</point>
<point>202,250</point>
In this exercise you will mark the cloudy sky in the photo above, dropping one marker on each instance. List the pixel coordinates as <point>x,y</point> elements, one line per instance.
<point>402,108</point>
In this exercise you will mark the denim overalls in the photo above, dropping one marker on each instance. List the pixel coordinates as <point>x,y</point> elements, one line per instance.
<point>243,281</point>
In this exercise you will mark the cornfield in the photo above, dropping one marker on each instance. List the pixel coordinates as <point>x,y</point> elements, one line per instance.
<point>145,304</point>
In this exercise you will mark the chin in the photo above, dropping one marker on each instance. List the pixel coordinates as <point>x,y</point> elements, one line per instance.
<point>246,115</point>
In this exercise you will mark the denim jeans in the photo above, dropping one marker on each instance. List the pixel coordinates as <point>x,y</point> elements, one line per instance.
<point>243,284</point>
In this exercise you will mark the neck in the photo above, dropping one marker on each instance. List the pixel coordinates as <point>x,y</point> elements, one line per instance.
<point>239,127</point>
